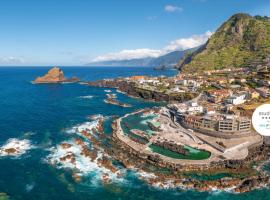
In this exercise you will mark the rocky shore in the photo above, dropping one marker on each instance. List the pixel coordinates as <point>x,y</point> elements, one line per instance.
<point>131,89</point>
<point>15,147</point>
<point>113,100</point>
<point>243,176</point>
<point>86,153</point>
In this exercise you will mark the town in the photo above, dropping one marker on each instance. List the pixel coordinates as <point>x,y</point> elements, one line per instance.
<point>214,115</point>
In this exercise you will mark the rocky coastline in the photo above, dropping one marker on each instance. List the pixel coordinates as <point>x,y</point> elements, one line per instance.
<point>243,177</point>
<point>130,89</point>
<point>112,99</point>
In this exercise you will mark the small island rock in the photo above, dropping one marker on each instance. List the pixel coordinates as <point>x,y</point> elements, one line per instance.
<point>55,75</point>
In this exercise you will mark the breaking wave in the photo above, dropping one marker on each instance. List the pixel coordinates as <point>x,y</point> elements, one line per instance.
<point>87,126</point>
<point>15,147</point>
<point>84,158</point>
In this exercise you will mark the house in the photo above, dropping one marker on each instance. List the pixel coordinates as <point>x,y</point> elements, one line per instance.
<point>137,78</point>
<point>194,108</point>
<point>188,108</point>
<point>263,91</point>
<point>234,87</point>
<point>241,80</point>
<point>264,82</point>
<point>182,82</point>
<point>221,80</point>
<point>237,99</point>
<point>152,81</point>
<point>231,80</point>
<point>253,94</point>
<point>176,89</point>
<point>217,96</point>
<point>209,110</point>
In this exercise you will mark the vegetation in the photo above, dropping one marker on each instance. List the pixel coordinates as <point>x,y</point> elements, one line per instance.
<point>239,42</point>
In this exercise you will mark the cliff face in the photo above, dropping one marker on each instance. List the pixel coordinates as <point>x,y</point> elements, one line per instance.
<point>238,42</point>
<point>55,75</point>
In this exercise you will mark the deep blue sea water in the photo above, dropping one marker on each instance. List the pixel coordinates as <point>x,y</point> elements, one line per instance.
<point>42,113</point>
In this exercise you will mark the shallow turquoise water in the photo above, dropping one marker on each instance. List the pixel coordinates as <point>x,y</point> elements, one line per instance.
<point>137,121</point>
<point>42,113</point>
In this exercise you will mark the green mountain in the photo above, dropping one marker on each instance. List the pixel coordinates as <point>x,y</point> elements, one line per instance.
<point>239,42</point>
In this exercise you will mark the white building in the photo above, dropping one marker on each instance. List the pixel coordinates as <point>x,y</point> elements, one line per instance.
<point>192,108</point>
<point>153,81</point>
<point>195,108</point>
<point>237,99</point>
<point>176,89</point>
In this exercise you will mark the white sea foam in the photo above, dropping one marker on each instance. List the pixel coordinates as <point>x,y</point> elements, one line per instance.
<point>67,82</point>
<point>145,175</point>
<point>96,117</point>
<point>83,83</point>
<point>82,165</point>
<point>120,92</point>
<point>108,91</point>
<point>86,97</point>
<point>87,126</point>
<point>148,175</point>
<point>149,114</point>
<point>15,147</point>
<point>70,156</point>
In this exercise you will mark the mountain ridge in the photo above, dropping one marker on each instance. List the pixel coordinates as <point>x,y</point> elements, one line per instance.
<point>169,59</point>
<point>236,43</point>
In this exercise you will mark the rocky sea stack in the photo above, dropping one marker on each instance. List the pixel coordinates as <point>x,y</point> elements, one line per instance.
<point>55,75</point>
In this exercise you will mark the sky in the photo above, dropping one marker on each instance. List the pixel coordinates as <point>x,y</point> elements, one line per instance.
<point>76,32</point>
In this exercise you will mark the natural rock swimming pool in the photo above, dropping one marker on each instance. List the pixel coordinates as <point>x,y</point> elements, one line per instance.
<point>194,154</point>
<point>140,121</point>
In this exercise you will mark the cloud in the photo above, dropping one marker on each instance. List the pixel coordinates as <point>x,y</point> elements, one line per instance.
<point>187,43</point>
<point>129,54</point>
<point>67,53</point>
<point>172,8</point>
<point>179,44</point>
<point>11,60</point>
<point>151,18</point>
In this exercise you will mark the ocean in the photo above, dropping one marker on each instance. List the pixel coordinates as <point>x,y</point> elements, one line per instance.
<point>40,117</point>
